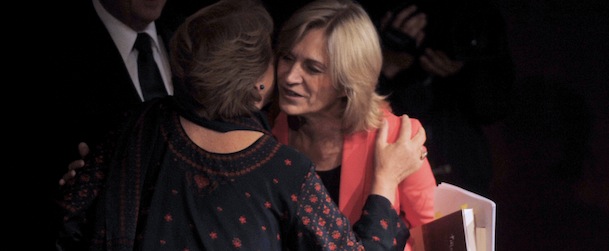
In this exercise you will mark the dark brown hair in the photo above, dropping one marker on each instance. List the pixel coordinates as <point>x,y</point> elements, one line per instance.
<point>217,56</point>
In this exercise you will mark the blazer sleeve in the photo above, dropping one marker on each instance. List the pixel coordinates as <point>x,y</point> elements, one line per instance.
<point>416,192</point>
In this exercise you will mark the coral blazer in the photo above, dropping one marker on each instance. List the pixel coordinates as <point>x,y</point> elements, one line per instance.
<point>415,197</point>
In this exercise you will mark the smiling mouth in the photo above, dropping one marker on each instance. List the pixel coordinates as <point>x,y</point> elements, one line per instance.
<point>289,93</point>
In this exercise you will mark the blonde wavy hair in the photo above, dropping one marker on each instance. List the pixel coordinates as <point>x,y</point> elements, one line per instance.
<point>354,50</point>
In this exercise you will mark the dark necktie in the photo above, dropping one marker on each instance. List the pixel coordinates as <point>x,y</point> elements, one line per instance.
<point>147,70</point>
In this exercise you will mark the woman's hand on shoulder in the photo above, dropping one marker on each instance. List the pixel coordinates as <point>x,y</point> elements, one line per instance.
<point>396,161</point>
<point>83,150</point>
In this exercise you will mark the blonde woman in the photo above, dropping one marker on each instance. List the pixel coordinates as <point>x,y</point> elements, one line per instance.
<point>329,61</point>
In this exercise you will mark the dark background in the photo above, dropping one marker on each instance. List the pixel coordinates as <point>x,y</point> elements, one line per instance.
<point>551,181</point>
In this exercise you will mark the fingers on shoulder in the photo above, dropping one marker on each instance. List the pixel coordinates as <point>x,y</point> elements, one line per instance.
<point>413,128</point>
<point>382,132</point>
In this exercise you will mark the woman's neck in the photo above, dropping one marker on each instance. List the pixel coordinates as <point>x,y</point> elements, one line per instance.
<point>324,124</point>
<point>219,142</point>
<point>321,139</point>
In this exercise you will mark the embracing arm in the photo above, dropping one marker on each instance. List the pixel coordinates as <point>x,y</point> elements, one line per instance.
<point>83,151</point>
<point>323,225</point>
<point>403,169</point>
<point>77,200</point>
<point>380,227</point>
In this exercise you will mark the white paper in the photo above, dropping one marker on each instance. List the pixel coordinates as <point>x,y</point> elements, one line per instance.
<point>450,198</point>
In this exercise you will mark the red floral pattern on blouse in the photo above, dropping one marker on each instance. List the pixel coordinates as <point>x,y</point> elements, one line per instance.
<point>265,197</point>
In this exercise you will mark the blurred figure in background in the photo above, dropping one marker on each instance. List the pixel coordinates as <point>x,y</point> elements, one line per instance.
<point>448,64</point>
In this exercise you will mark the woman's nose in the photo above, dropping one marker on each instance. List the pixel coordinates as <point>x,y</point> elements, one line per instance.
<point>293,75</point>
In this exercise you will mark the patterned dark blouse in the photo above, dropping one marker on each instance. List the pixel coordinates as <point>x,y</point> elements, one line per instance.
<point>160,191</point>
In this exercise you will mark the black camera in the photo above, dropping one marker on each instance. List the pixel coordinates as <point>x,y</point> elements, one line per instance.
<point>395,39</point>
<point>475,35</point>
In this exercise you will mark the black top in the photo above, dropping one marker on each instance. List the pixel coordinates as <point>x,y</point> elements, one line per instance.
<point>331,180</point>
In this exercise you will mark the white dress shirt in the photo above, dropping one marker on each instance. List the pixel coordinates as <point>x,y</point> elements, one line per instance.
<point>124,39</point>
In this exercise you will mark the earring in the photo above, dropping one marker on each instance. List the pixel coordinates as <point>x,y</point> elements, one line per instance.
<point>261,87</point>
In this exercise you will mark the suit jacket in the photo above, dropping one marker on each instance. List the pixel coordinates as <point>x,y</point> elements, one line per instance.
<point>98,88</point>
<point>85,91</point>
<point>415,197</point>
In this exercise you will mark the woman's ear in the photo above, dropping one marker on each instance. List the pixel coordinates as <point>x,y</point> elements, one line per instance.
<point>262,91</point>
<point>266,86</point>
